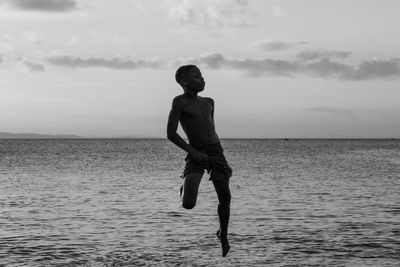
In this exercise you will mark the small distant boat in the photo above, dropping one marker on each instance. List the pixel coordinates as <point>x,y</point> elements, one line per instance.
<point>286,139</point>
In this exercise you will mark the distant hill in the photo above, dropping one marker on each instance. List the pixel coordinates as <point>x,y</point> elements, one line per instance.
<point>4,135</point>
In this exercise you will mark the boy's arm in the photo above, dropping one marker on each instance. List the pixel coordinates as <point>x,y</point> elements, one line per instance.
<point>211,101</point>
<point>174,137</point>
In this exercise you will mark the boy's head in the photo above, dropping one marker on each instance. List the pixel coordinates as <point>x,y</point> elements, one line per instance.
<point>190,78</point>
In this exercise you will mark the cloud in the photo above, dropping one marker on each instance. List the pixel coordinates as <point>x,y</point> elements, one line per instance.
<point>209,13</point>
<point>318,54</point>
<point>326,68</point>
<point>41,5</point>
<point>322,68</point>
<point>275,45</point>
<point>254,67</point>
<point>34,66</point>
<point>111,63</point>
<point>12,61</point>
<point>374,69</point>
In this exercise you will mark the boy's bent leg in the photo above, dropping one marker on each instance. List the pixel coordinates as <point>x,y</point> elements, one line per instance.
<point>224,199</point>
<point>191,184</point>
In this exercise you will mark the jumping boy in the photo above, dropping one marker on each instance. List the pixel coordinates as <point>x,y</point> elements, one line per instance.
<point>204,151</point>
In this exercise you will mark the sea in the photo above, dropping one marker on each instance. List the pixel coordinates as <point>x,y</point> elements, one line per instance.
<point>115,202</point>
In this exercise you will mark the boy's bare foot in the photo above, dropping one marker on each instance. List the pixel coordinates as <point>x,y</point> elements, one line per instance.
<point>224,243</point>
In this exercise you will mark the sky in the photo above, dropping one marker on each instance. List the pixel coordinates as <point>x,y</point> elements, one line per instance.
<point>275,68</point>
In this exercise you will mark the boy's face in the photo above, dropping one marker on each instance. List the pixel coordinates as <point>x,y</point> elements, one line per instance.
<point>194,80</point>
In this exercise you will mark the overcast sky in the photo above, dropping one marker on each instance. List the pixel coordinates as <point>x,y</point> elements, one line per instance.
<point>276,68</point>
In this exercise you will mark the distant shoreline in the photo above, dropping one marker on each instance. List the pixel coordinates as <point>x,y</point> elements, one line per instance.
<point>7,135</point>
<point>244,139</point>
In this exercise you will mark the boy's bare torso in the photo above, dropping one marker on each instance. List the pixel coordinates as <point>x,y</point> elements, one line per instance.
<point>197,120</point>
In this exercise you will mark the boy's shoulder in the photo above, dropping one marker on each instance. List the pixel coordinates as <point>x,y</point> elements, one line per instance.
<point>179,97</point>
<point>209,100</point>
<point>179,101</point>
<point>183,100</point>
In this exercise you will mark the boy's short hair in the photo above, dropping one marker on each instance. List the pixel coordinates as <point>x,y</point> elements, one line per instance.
<point>182,71</point>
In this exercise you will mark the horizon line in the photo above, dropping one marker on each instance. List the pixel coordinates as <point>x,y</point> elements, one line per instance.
<point>27,135</point>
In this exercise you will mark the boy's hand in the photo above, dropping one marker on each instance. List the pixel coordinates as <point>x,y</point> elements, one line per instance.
<point>199,156</point>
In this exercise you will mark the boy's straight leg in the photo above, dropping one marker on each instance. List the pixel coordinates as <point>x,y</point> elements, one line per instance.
<point>191,184</point>
<point>224,199</point>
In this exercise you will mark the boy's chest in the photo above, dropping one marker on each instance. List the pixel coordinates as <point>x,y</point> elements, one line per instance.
<point>197,109</point>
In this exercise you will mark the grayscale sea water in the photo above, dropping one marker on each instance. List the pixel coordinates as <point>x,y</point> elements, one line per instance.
<point>115,202</point>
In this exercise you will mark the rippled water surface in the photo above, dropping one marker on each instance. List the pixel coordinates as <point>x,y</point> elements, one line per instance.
<point>115,203</point>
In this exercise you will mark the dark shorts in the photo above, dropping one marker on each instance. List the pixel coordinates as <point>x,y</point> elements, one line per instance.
<point>216,166</point>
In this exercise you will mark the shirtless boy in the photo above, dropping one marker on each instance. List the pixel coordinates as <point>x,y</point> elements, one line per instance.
<point>204,151</point>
